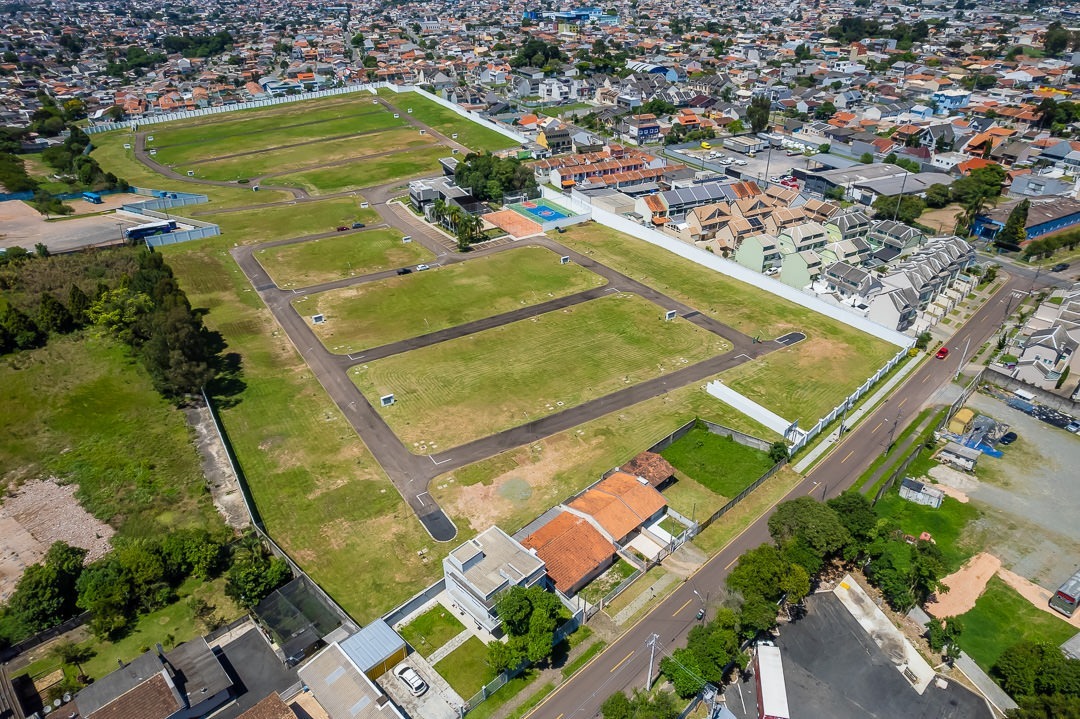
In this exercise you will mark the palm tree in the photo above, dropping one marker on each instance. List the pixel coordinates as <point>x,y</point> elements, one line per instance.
<point>454,216</point>
<point>68,652</point>
<point>438,210</point>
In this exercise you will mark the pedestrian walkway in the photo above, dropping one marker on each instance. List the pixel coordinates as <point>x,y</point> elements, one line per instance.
<point>856,416</point>
<point>898,453</point>
<point>649,595</point>
<point>461,638</point>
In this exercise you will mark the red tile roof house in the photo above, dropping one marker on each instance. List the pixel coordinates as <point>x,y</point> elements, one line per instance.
<point>620,505</point>
<point>651,467</point>
<point>573,550</point>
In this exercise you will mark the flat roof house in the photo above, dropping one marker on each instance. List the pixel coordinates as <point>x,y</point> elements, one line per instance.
<point>342,689</point>
<point>485,566</point>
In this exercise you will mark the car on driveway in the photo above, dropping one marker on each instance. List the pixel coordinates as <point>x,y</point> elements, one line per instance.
<point>411,679</point>
<point>942,353</point>
<point>1060,267</point>
<point>421,268</point>
<point>1008,438</point>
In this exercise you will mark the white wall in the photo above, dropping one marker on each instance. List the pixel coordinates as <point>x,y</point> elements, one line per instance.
<point>748,407</point>
<point>730,268</point>
<point>468,115</point>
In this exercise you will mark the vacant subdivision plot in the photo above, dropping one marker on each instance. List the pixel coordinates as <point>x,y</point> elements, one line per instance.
<point>367,172</point>
<point>467,388</point>
<point>284,160</point>
<point>471,134</point>
<point>377,313</point>
<point>284,221</point>
<point>303,264</point>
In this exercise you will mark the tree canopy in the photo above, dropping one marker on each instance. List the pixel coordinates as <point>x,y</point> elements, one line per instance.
<point>489,177</point>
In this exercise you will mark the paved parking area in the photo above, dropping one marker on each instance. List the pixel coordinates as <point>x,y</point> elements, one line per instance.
<point>834,669</point>
<point>438,702</point>
<point>255,670</point>
<point>24,227</point>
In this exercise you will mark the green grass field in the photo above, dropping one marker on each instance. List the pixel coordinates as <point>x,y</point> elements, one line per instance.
<point>366,173</point>
<point>837,357</point>
<point>381,312</point>
<point>946,524</point>
<point>718,463</point>
<point>469,133</point>
<point>466,668</point>
<point>292,159</point>
<point>477,385</point>
<point>321,500</point>
<point>279,222</point>
<point>1002,617</point>
<point>304,264</point>
<point>431,630</point>
<point>82,410</point>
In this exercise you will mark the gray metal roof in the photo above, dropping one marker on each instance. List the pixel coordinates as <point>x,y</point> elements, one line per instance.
<point>372,645</point>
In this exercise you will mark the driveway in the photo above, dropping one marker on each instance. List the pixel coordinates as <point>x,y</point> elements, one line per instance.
<point>438,702</point>
<point>255,670</point>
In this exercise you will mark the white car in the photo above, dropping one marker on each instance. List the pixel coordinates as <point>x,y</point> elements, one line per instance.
<point>740,162</point>
<point>412,680</point>
<point>421,268</point>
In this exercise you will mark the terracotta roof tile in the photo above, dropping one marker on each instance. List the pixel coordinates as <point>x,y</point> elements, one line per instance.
<point>269,708</point>
<point>153,699</point>
<point>571,549</point>
<point>620,504</point>
<point>650,466</point>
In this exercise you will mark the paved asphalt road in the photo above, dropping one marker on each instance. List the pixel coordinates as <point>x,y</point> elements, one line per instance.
<point>625,663</point>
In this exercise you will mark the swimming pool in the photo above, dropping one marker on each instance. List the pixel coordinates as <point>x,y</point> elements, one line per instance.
<point>540,210</point>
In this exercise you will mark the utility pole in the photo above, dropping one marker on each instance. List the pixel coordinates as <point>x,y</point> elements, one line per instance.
<point>653,638</point>
<point>963,358</point>
<point>892,433</point>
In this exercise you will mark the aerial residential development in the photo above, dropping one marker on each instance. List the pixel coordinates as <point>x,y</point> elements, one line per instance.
<point>457,359</point>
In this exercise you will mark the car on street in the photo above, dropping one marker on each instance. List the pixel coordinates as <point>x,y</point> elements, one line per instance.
<point>421,268</point>
<point>358,225</point>
<point>343,228</point>
<point>1060,267</point>
<point>1008,438</point>
<point>411,679</point>
<point>404,271</point>
<point>942,353</point>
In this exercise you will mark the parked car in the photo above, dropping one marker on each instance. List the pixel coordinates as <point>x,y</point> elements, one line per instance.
<point>1008,438</point>
<point>358,225</point>
<point>942,353</point>
<point>343,228</point>
<point>404,271</point>
<point>1060,267</point>
<point>412,680</point>
<point>421,268</point>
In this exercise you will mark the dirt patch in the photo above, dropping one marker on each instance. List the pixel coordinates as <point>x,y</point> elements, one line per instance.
<point>965,585</point>
<point>223,485</point>
<point>942,220</point>
<point>1038,596</point>
<point>34,517</point>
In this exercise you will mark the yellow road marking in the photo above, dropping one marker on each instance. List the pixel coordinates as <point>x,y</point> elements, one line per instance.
<point>901,403</point>
<point>875,429</point>
<point>847,457</point>
<point>681,608</point>
<point>730,563</point>
<point>622,662</point>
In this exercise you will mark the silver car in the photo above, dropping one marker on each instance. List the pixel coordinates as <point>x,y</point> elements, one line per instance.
<point>412,680</point>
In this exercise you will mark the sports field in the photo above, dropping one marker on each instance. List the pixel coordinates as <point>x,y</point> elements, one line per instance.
<point>279,222</point>
<point>282,160</point>
<point>378,313</point>
<point>474,386</point>
<point>304,264</point>
<point>448,122</point>
<point>801,382</point>
<point>368,172</point>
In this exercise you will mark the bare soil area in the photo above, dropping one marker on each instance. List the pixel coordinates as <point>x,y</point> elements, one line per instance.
<point>35,516</point>
<point>965,586</point>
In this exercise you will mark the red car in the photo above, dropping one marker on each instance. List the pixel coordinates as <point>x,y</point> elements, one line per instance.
<point>343,228</point>
<point>942,353</point>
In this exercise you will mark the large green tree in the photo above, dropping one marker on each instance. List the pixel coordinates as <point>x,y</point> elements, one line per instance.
<point>1014,233</point>
<point>45,594</point>
<point>758,112</point>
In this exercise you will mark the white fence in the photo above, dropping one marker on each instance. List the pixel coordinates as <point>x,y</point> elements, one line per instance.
<point>749,407</point>
<point>498,127</point>
<point>730,268</point>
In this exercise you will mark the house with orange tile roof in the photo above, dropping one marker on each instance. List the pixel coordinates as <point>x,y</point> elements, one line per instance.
<point>573,551</point>
<point>620,505</point>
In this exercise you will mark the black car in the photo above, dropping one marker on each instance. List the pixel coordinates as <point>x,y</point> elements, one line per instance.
<point>1008,438</point>
<point>358,225</point>
<point>1060,267</point>
<point>404,271</point>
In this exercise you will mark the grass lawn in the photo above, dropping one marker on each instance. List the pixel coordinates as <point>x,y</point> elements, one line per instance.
<point>717,462</point>
<point>466,668</point>
<point>512,488</point>
<point>1001,618</point>
<point>318,489</point>
<point>377,313</point>
<point>470,134</point>
<point>837,356</point>
<point>582,659</point>
<point>504,694</point>
<point>431,630</point>
<point>176,147</point>
<point>946,524</point>
<point>717,535</point>
<point>110,153</point>
<point>598,588</point>
<point>170,626</point>
<point>691,499</point>
<point>365,173</point>
<point>82,410</point>
<point>529,369</point>
<point>279,222</point>
<point>304,264</point>
<point>290,159</point>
